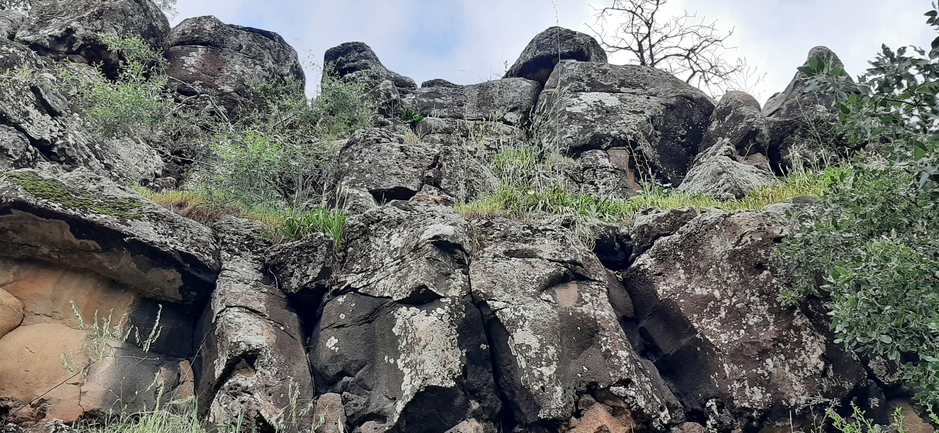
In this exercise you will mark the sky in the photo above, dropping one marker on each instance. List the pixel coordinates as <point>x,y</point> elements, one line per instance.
<point>470,41</point>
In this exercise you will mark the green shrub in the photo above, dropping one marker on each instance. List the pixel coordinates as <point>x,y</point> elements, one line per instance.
<point>136,103</point>
<point>870,249</point>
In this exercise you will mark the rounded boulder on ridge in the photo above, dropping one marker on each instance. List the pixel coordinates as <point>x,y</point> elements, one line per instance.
<point>229,62</point>
<point>543,52</point>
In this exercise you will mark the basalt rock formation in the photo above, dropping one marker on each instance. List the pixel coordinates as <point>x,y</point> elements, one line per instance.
<point>420,318</point>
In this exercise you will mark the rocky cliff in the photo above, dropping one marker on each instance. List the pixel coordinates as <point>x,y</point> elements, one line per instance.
<point>419,318</point>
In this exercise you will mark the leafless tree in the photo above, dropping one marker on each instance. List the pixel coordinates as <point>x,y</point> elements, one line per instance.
<point>683,45</point>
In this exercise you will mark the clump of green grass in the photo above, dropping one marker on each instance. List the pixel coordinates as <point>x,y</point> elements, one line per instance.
<point>180,417</point>
<point>285,223</point>
<point>518,201</point>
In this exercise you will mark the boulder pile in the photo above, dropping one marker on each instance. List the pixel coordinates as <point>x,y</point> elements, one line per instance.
<point>420,318</point>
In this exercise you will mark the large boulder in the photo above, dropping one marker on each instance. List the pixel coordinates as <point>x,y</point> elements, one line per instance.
<point>552,314</point>
<point>660,119</point>
<point>379,162</point>
<point>549,47</point>
<point>229,62</point>
<point>737,118</point>
<point>79,30</point>
<point>509,100</point>
<point>84,221</point>
<point>399,337</point>
<point>252,357</point>
<point>355,61</point>
<point>802,127</point>
<point>708,314</point>
<point>721,173</point>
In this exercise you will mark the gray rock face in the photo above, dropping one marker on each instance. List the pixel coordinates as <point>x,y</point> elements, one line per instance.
<point>229,62</point>
<point>399,337</point>
<point>10,22</point>
<point>722,174</point>
<point>737,118</point>
<point>14,55</point>
<point>553,315</point>
<point>357,62</point>
<point>378,161</point>
<point>85,221</point>
<point>509,100</point>
<point>36,117</point>
<point>801,124</point>
<point>708,313</point>
<point>481,139</point>
<point>604,173</point>
<point>252,357</point>
<point>550,46</point>
<point>77,30</point>
<point>658,117</point>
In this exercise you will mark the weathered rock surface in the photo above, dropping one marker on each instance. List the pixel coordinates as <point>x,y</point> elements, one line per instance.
<point>11,312</point>
<point>38,126</point>
<point>229,62</point>
<point>355,61</point>
<point>604,173</point>
<point>252,359</point>
<point>10,23</point>
<point>84,221</point>
<point>480,139</point>
<point>650,225</point>
<point>509,100</point>
<point>658,117</point>
<point>380,162</point>
<point>706,304</point>
<point>550,46</point>
<point>399,337</point>
<point>50,293</point>
<point>552,314</point>
<point>51,371</point>
<point>78,30</point>
<point>721,173</point>
<point>801,125</point>
<point>738,120</point>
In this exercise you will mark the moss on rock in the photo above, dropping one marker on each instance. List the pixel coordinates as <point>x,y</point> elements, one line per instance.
<point>57,192</point>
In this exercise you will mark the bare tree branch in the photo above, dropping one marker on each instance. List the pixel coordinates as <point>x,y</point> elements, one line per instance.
<point>683,45</point>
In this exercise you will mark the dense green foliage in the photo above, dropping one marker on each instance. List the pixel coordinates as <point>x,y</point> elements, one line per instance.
<point>871,249</point>
<point>136,103</point>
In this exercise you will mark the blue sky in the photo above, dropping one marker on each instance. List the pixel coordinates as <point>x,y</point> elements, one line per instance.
<point>468,41</point>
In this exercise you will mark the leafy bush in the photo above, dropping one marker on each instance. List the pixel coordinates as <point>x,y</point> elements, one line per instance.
<point>136,103</point>
<point>870,249</point>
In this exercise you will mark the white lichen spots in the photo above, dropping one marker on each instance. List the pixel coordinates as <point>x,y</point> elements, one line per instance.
<point>428,347</point>
<point>584,102</point>
<point>332,343</point>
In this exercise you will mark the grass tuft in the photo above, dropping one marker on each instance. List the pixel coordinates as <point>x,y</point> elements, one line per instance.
<point>286,224</point>
<point>513,200</point>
